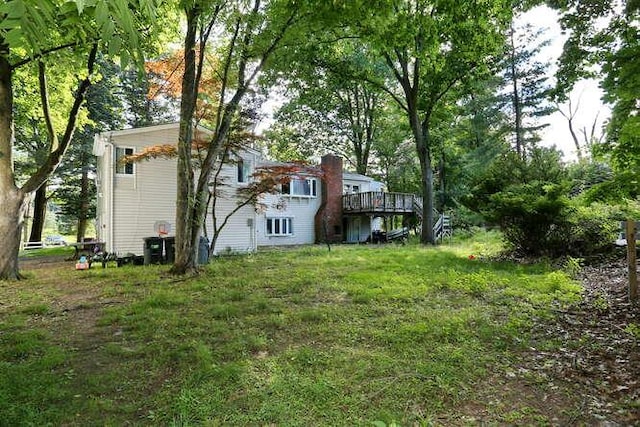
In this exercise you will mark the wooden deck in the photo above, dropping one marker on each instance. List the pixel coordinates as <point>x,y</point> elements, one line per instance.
<point>378,202</point>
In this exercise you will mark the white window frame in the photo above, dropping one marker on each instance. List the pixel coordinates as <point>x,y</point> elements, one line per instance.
<point>121,169</point>
<point>279,226</point>
<point>313,188</point>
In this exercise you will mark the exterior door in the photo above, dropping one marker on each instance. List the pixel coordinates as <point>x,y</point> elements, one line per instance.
<point>353,235</point>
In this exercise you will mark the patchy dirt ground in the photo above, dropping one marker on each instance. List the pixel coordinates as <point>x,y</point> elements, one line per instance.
<point>586,370</point>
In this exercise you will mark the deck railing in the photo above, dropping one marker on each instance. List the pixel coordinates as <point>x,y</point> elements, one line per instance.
<point>377,202</point>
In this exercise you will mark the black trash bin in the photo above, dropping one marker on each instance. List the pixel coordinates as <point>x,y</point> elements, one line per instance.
<point>170,249</point>
<point>153,250</point>
<point>378,236</point>
<point>203,251</point>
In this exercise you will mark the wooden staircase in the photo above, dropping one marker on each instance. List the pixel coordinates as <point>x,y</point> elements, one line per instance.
<point>442,227</point>
<point>380,203</point>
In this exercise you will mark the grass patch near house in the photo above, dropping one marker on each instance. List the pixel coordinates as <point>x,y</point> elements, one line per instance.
<point>60,251</point>
<point>357,335</point>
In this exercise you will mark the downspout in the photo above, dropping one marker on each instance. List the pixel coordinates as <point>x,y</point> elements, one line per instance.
<point>254,229</point>
<point>111,186</point>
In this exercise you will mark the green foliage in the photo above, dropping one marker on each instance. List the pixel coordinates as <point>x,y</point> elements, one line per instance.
<point>526,82</point>
<point>623,185</point>
<point>604,41</point>
<point>587,176</point>
<point>330,108</point>
<point>30,28</point>
<point>530,200</point>
<point>534,217</point>
<point>542,165</point>
<point>633,329</point>
<point>593,229</point>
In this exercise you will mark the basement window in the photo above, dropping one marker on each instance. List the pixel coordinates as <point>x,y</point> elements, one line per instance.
<point>279,226</point>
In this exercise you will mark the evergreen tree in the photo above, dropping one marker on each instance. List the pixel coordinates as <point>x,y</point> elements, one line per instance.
<point>76,192</point>
<point>526,86</point>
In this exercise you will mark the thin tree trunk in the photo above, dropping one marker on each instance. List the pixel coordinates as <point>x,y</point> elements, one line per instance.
<point>576,141</point>
<point>517,108</point>
<point>83,213</point>
<point>39,213</point>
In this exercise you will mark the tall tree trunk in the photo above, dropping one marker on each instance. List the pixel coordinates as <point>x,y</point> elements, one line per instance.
<point>422,140</point>
<point>13,205</point>
<point>185,248</point>
<point>517,107</point>
<point>39,213</point>
<point>12,200</point>
<point>83,213</point>
<point>426,235</point>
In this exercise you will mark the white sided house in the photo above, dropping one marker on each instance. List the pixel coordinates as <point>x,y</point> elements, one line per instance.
<point>138,200</point>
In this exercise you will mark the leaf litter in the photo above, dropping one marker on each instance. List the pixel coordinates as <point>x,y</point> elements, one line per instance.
<point>596,346</point>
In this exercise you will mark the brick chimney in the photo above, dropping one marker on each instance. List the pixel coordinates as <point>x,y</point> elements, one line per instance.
<point>328,220</point>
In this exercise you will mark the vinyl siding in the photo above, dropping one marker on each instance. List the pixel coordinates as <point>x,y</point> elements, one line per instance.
<point>302,210</point>
<point>238,235</point>
<point>136,202</point>
<point>149,195</point>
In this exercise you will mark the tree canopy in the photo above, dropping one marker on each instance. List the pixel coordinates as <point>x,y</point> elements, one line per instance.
<point>423,94</point>
<point>69,35</point>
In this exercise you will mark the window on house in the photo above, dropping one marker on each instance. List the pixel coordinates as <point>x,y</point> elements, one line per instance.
<point>279,226</point>
<point>244,171</point>
<point>301,187</point>
<point>123,168</point>
<point>356,189</point>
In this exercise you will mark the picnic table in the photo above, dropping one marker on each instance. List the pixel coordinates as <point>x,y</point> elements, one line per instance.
<point>88,247</point>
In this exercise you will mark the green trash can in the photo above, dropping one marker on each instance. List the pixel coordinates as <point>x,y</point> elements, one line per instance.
<point>153,250</point>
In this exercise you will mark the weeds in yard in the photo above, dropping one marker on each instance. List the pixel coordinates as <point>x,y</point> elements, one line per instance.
<point>358,335</point>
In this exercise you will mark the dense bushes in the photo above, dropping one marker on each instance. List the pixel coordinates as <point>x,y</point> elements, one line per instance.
<point>539,211</point>
<point>534,218</point>
<point>549,225</point>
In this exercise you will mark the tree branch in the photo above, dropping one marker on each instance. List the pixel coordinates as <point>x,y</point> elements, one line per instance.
<point>44,99</point>
<point>52,161</point>
<point>44,53</point>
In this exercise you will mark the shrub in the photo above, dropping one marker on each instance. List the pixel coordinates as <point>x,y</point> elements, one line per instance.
<point>529,198</point>
<point>593,229</point>
<point>534,218</point>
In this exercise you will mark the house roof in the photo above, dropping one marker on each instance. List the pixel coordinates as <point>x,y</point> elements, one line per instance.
<point>99,139</point>
<point>356,177</point>
<point>152,128</point>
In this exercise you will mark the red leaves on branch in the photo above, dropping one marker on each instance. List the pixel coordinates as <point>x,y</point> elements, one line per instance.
<point>165,80</point>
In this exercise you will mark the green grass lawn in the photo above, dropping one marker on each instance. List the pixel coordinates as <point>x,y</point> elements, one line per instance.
<point>355,336</point>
